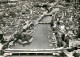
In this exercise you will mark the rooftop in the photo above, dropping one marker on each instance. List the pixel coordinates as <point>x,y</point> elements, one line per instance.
<point>1,32</point>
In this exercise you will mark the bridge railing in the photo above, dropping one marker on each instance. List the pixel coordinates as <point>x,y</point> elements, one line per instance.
<point>35,50</point>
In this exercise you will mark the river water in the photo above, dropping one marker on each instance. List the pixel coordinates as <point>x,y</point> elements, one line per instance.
<point>40,36</point>
<point>40,39</point>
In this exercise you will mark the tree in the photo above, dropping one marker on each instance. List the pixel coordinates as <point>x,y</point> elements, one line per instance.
<point>17,36</point>
<point>12,14</point>
<point>26,37</point>
<point>51,1</point>
<point>60,43</point>
<point>51,23</point>
<point>62,54</point>
<point>70,50</point>
<point>67,0</point>
<point>78,33</point>
<point>63,36</point>
<point>75,54</point>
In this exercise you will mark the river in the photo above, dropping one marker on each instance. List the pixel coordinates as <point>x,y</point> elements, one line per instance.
<point>40,36</point>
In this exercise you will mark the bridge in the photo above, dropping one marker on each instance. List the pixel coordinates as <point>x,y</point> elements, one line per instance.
<point>11,52</point>
<point>27,51</point>
<point>53,51</point>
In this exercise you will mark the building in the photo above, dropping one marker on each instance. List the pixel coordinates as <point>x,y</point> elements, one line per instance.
<point>75,1</point>
<point>12,2</point>
<point>72,1</point>
<point>8,0</point>
<point>74,43</point>
<point>3,0</point>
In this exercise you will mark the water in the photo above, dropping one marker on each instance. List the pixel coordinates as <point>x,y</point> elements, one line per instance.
<point>40,36</point>
<point>40,39</point>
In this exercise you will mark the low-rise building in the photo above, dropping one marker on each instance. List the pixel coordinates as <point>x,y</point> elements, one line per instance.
<point>74,43</point>
<point>71,1</point>
<point>8,0</point>
<point>3,0</point>
<point>13,0</point>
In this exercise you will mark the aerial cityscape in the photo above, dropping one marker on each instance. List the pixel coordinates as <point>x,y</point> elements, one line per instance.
<point>39,28</point>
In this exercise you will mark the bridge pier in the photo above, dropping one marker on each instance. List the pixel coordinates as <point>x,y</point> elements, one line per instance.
<point>27,54</point>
